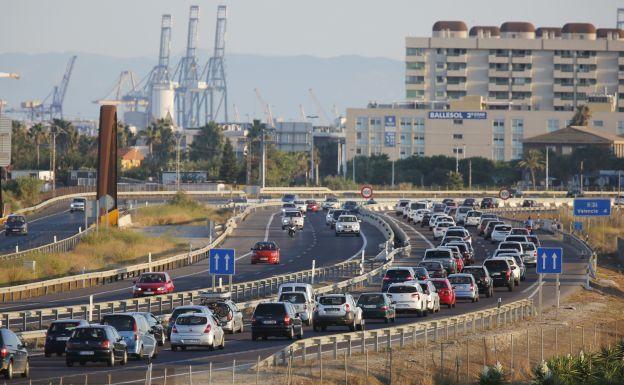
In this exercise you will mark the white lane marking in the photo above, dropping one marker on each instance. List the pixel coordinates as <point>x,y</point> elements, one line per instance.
<point>268,227</point>
<point>364,243</point>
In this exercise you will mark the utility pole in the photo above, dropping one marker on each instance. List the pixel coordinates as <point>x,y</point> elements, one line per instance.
<point>393,173</point>
<point>547,182</point>
<point>178,137</point>
<point>470,174</point>
<point>54,161</point>
<point>619,195</point>
<point>263,160</point>
<point>581,181</point>
<point>456,160</point>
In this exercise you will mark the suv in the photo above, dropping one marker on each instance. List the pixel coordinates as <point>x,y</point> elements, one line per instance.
<point>225,311</point>
<point>289,198</point>
<point>96,343</point>
<point>482,276</point>
<point>500,271</point>
<point>442,255</point>
<point>339,310</point>
<point>377,305</point>
<point>15,224</point>
<point>472,218</point>
<point>278,319</point>
<point>397,274</point>
<point>489,203</point>
<point>58,333</point>
<point>408,297</point>
<point>78,204</point>
<point>331,203</point>
<point>135,330</point>
<point>301,303</point>
<point>292,217</point>
<point>347,224</point>
<point>398,208</point>
<point>335,216</point>
<point>14,357</point>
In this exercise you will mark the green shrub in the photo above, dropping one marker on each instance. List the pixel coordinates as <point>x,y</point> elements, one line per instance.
<point>493,375</point>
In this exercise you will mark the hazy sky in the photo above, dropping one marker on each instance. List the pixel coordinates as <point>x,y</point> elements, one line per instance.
<point>272,27</point>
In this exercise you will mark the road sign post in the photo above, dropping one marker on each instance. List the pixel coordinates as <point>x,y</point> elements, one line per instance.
<point>222,262</point>
<point>549,261</point>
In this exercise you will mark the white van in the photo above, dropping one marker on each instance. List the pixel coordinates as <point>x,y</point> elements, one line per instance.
<point>302,287</point>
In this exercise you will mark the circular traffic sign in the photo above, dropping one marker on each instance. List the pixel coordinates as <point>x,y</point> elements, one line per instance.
<point>504,194</point>
<point>366,192</point>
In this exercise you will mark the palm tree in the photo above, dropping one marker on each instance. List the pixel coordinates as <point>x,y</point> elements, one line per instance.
<point>38,134</point>
<point>533,162</point>
<point>152,135</point>
<point>581,116</point>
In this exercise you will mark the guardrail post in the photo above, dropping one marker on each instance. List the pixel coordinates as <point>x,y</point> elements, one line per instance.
<point>388,338</point>
<point>363,342</point>
<point>7,321</point>
<point>24,323</point>
<point>149,304</point>
<point>319,344</point>
<point>112,308</point>
<point>98,311</point>
<point>124,306</point>
<point>335,343</point>
<point>402,341</point>
<point>435,332</point>
<point>302,346</point>
<point>348,337</point>
<point>71,312</point>
<point>40,316</point>
<point>376,340</point>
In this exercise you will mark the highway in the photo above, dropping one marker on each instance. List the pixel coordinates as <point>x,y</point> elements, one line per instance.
<point>245,352</point>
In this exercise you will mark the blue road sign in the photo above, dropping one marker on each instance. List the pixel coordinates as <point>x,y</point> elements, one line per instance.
<point>549,260</point>
<point>578,226</point>
<point>599,207</point>
<point>222,261</point>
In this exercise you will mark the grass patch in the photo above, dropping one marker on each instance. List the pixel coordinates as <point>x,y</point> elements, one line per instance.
<point>107,249</point>
<point>179,210</point>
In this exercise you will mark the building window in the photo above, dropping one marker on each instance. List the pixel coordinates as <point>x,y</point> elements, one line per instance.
<point>498,139</point>
<point>415,65</point>
<point>598,123</point>
<point>358,151</point>
<point>517,134</point>
<point>414,94</point>
<point>620,127</point>
<point>414,51</point>
<point>361,123</point>
<point>553,125</point>
<point>458,150</point>
<point>440,65</point>
<point>406,124</point>
<point>375,123</point>
<point>458,121</point>
<point>414,79</point>
<point>458,136</point>
<point>419,131</point>
<point>440,94</point>
<point>419,151</point>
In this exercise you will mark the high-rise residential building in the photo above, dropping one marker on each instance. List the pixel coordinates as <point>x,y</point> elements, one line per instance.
<point>481,91</point>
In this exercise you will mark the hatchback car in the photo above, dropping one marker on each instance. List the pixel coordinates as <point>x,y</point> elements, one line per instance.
<point>58,334</point>
<point>265,252</point>
<point>13,355</point>
<point>483,279</point>
<point>184,310</point>
<point>431,296</point>
<point>499,233</point>
<point>472,218</point>
<point>96,343</point>
<point>225,311</point>
<point>465,286</point>
<point>153,284</point>
<point>421,273</point>
<point>434,268</point>
<point>445,291</point>
<point>377,306</point>
<point>408,297</point>
<point>135,330</point>
<point>197,329</point>
<point>337,310</point>
<point>275,319</point>
<point>300,302</point>
<point>331,203</point>
<point>312,206</point>
<point>500,271</point>
<point>397,274</point>
<point>15,224</point>
<point>156,327</point>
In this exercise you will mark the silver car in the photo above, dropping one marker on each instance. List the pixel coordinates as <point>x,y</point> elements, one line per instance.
<point>135,331</point>
<point>301,304</point>
<point>465,286</point>
<point>197,329</point>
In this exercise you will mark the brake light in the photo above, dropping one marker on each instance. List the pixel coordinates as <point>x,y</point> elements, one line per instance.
<point>386,278</point>
<point>207,329</point>
<point>347,307</point>
<point>410,278</point>
<point>135,330</point>
<point>105,344</point>
<point>4,352</point>
<point>471,286</point>
<point>508,274</point>
<point>229,316</point>
<point>174,330</point>
<point>384,308</point>
<point>253,321</point>
<point>416,295</point>
<point>287,320</point>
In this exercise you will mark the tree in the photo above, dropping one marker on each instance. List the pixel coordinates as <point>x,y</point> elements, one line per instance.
<point>533,162</point>
<point>207,147</point>
<point>581,116</point>
<point>454,180</point>
<point>39,135</point>
<point>151,135</point>
<point>125,137</point>
<point>229,165</point>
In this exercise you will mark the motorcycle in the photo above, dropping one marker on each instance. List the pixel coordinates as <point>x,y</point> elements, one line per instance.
<point>292,230</point>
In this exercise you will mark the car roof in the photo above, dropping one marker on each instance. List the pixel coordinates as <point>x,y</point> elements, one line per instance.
<point>460,275</point>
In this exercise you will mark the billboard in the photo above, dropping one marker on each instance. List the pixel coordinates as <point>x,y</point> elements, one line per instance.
<point>465,115</point>
<point>390,123</point>
<point>390,139</point>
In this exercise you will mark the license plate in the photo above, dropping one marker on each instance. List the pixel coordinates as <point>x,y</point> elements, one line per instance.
<point>62,338</point>
<point>148,292</point>
<point>190,341</point>
<point>369,306</point>
<point>86,353</point>
<point>495,274</point>
<point>332,309</point>
<point>270,322</point>
<point>263,258</point>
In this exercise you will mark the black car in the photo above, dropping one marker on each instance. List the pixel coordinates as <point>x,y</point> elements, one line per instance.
<point>447,201</point>
<point>58,334</point>
<point>425,220</point>
<point>16,224</point>
<point>13,354</point>
<point>422,274</point>
<point>470,202</point>
<point>99,343</point>
<point>350,206</point>
<point>575,194</point>
<point>482,276</point>
<point>435,268</point>
<point>377,306</point>
<point>156,327</point>
<point>488,203</point>
<point>277,319</point>
<point>396,275</point>
<point>500,271</point>
<point>336,214</point>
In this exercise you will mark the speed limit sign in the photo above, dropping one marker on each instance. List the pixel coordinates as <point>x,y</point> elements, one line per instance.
<point>366,192</point>
<point>504,194</point>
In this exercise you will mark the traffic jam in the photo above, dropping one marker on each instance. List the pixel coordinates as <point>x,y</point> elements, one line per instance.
<point>443,276</point>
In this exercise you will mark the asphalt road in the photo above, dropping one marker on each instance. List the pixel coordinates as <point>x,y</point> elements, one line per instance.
<point>245,352</point>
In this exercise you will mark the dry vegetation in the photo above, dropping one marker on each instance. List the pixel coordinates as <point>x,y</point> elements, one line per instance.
<point>107,249</point>
<point>180,210</point>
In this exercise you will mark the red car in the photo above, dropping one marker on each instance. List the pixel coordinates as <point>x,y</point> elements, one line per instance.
<point>153,284</point>
<point>445,291</point>
<point>265,252</point>
<point>312,206</point>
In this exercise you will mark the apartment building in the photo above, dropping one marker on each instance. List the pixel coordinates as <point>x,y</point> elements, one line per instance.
<point>480,92</point>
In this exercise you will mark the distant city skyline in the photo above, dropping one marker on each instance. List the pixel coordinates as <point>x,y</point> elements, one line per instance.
<point>324,28</point>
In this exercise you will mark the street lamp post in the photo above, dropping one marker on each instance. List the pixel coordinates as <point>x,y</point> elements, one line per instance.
<point>178,137</point>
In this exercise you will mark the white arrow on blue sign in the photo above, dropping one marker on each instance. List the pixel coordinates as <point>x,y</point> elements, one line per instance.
<point>549,260</point>
<point>222,261</point>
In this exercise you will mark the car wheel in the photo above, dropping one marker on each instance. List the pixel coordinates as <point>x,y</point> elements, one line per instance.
<point>517,283</point>
<point>111,360</point>
<point>510,286</point>
<point>26,371</point>
<point>450,305</point>
<point>47,354</point>
<point>124,358</point>
<point>300,335</point>
<point>394,319</point>
<point>315,328</point>
<point>474,299</point>
<point>69,363</point>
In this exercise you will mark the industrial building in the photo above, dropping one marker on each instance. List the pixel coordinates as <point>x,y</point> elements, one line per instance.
<point>480,92</point>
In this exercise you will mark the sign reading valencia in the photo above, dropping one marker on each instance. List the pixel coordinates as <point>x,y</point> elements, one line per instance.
<point>468,115</point>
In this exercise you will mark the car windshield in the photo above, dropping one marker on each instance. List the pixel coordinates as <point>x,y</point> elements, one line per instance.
<point>289,206</point>
<point>502,228</point>
<point>331,200</point>
<point>261,246</point>
<point>122,323</point>
<point>332,300</point>
<point>270,309</point>
<point>292,297</point>
<point>420,271</point>
<point>89,334</point>
<point>78,200</point>
<point>63,326</point>
<point>431,266</point>
<point>398,274</point>
<point>440,285</point>
<point>460,279</point>
<point>399,289</point>
<point>435,254</point>
<point>370,299</point>
<point>472,214</point>
<point>152,278</point>
<point>455,233</point>
<point>220,309</point>
<point>347,219</point>
<point>528,246</point>
<point>191,320</point>
<point>289,197</point>
<point>496,265</point>
<point>16,219</point>
<point>292,214</point>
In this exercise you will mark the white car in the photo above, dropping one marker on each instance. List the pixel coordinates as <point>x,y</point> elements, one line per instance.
<point>418,215</point>
<point>292,217</point>
<point>301,206</point>
<point>515,269</point>
<point>440,219</point>
<point>465,286</point>
<point>508,245</point>
<point>462,212</point>
<point>347,224</point>
<point>301,303</point>
<point>431,295</point>
<point>288,207</point>
<point>413,207</point>
<point>398,208</point>
<point>440,229</point>
<point>328,216</point>
<point>529,253</point>
<point>197,329</point>
<point>331,203</point>
<point>408,297</point>
<point>459,231</point>
<point>500,232</point>
<point>78,204</point>
<point>473,218</point>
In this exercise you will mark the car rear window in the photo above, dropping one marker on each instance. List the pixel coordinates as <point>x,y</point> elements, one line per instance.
<point>399,289</point>
<point>455,233</point>
<point>261,246</point>
<point>292,297</point>
<point>476,272</point>
<point>292,214</point>
<point>177,312</point>
<point>62,326</point>
<point>440,285</point>
<point>493,265</point>
<point>338,213</point>
<point>191,320</point>
<point>528,246</point>
<point>332,300</point>
<point>122,323</point>
<point>152,278</point>
<point>462,247</point>
<point>510,246</point>
<point>369,299</point>
<point>398,274</point>
<point>431,265</point>
<point>502,228</point>
<point>89,334</point>
<point>270,309</point>
<point>433,254</point>
<point>473,214</point>
<point>460,280</point>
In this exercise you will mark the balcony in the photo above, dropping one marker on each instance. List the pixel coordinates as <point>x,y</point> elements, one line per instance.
<point>523,74</point>
<point>528,59</point>
<point>558,102</point>
<point>521,87</point>
<point>498,59</point>
<point>414,86</point>
<point>621,60</point>
<point>563,88</point>
<point>498,87</point>
<point>586,75</point>
<point>586,89</point>
<point>586,60</point>
<point>459,73</point>
<point>494,73</point>
<point>456,87</point>
<point>457,59</point>
<point>562,60</point>
<point>558,74</point>
<point>413,72</point>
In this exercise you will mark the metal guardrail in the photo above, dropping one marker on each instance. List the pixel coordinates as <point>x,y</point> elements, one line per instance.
<point>489,319</point>
<point>62,246</point>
